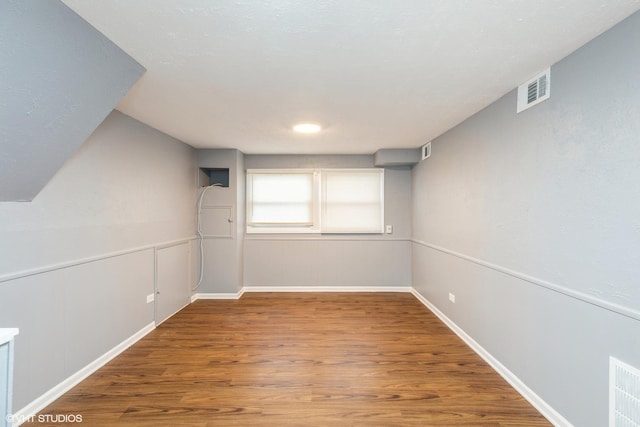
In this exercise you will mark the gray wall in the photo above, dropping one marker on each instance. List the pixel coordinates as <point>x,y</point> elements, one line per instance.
<point>59,79</point>
<point>334,260</point>
<point>533,221</point>
<point>77,263</point>
<point>223,256</point>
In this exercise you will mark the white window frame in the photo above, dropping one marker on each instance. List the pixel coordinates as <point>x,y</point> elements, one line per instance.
<point>318,204</point>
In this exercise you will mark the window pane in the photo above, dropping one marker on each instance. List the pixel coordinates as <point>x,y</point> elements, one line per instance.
<point>352,202</point>
<point>282,198</point>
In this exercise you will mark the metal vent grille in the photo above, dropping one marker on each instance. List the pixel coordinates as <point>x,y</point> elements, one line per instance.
<point>426,150</point>
<point>534,91</point>
<point>542,86</point>
<point>624,394</point>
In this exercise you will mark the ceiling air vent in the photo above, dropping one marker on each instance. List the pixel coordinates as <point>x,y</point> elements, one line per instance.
<point>534,91</point>
<point>426,150</point>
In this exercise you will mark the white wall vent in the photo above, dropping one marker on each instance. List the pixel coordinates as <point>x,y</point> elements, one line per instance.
<point>534,91</point>
<point>624,394</point>
<point>426,150</point>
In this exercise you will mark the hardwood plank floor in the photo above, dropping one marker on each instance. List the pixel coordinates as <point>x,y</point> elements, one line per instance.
<point>308,359</point>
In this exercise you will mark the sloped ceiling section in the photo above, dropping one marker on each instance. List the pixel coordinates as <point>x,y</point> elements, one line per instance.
<point>59,79</point>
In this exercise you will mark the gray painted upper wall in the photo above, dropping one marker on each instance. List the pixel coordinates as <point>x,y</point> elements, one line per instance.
<point>223,257</point>
<point>59,79</point>
<point>532,221</point>
<point>128,186</point>
<point>550,192</point>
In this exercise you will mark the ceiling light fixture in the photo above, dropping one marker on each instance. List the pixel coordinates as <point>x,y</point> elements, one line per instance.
<point>307,128</point>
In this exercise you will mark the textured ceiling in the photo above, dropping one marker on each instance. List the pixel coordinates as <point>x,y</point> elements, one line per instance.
<point>375,73</point>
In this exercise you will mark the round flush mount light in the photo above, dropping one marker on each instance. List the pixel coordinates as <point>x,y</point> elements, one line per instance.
<point>307,128</point>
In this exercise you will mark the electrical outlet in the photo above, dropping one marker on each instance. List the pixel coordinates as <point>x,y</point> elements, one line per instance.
<point>452,297</point>
<point>150,298</point>
<point>389,229</point>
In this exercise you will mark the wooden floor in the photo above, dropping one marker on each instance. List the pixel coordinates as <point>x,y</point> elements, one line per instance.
<point>307,359</point>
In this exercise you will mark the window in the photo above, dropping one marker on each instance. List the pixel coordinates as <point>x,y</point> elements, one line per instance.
<point>315,201</point>
<point>352,201</point>
<point>282,201</point>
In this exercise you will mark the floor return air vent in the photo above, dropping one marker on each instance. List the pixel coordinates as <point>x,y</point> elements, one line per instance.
<point>624,394</point>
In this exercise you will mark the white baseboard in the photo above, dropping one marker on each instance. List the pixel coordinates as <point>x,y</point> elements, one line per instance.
<point>46,399</point>
<point>198,296</point>
<point>403,289</point>
<point>536,401</point>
